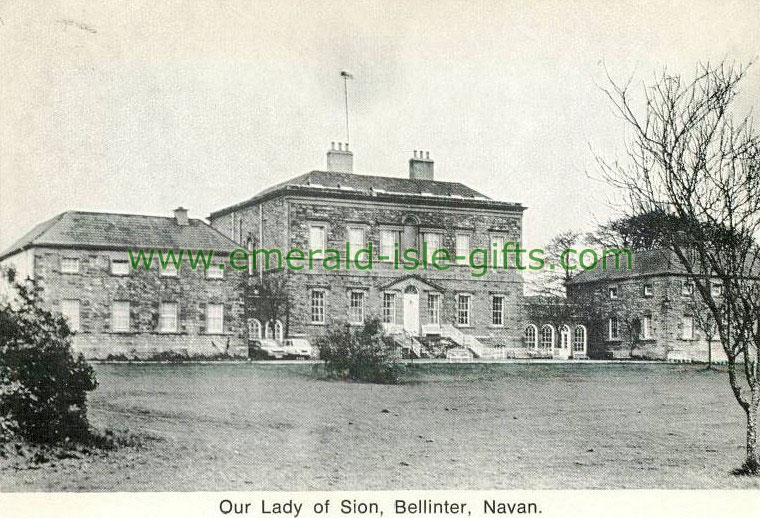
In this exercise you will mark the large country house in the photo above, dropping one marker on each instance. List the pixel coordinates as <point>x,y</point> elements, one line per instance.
<point>327,209</point>
<point>81,261</point>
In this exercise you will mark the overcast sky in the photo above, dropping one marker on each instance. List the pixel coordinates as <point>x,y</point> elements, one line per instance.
<point>145,107</point>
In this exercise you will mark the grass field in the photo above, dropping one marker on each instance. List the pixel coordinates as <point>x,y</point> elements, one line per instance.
<point>464,426</point>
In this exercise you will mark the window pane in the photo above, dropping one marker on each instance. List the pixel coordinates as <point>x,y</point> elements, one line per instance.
<point>498,310</point>
<point>119,267</point>
<point>463,310</point>
<point>168,317</point>
<point>356,309</point>
<point>388,240</point>
<point>69,265</point>
<point>356,239</point>
<point>317,239</point>
<point>389,308</point>
<point>120,316</point>
<point>434,308</point>
<point>463,248</point>
<point>215,318</point>
<point>318,307</point>
<point>70,310</point>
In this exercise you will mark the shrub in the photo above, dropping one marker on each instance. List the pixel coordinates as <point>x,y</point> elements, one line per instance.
<point>363,354</point>
<point>43,385</point>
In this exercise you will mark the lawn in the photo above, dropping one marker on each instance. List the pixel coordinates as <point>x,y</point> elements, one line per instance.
<point>464,426</point>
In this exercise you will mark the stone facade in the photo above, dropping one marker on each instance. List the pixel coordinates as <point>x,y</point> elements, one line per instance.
<point>282,218</point>
<point>652,312</point>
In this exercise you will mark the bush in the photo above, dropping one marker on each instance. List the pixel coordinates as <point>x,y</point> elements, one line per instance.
<point>43,385</point>
<point>364,354</point>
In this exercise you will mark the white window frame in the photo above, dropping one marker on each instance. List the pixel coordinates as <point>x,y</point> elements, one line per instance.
<point>166,317</point>
<point>544,343</point>
<point>317,306</point>
<point>646,327</point>
<point>531,336</point>
<point>716,289</point>
<point>464,312</point>
<point>317,246</point>
<point>169,271</point>
<point>117,272</point>
<point>254,329</point>
<point>461,249</point>
<point>580,340</point>
<point>388,239</point>
<point>356,307</point>
<point>500,312</point>
<point>499,240</point>
<point>214,273</point>
<point>434,244</point>
<point>687,289</point>
<point>615,328</point>
<point>613,292</point>
<point>434,308</point>
<point>690,328</point>
<point>70,265</point>
<point>648,289</point>
<point>389,307</point>
<point>120,316</point>
<point>214,322</point>
<point>362,242</point>
<point>72,309</point>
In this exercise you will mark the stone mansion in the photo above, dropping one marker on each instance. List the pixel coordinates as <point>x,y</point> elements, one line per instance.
<point>80,259</point>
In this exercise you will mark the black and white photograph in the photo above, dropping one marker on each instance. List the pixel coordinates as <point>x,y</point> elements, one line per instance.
<point>442,246</point>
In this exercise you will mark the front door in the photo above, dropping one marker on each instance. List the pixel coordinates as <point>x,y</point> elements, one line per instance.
<point>412,311</point>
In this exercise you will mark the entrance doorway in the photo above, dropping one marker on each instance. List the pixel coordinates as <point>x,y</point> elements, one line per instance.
<point>412,310</point>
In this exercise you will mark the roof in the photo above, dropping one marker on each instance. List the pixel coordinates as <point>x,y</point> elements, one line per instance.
<point>645,263</point>
<point>329,183</point>
<point>108,231</point>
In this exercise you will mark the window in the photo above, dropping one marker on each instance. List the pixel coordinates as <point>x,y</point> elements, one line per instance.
<point>434,308</point>
<point>70,310</point>
<point>564,337</point>
<point>318,307</point>
<point>275,331</point>
<point>463,310</point>
<point>119,267</point>
<point>254,329</point>
<point>613,292</point>
<point>716,288</point>
<point>463,248</point>
<point>531,337</point>
<point>687,288</point>
<point>579,339</point>
<point>646,327</point>
<point>167,317</point>
<point>614,328</point>
<point>356,308</point>
<point>214,273</point>
<point>389,308</point>
<point>169,271</point>
<point>388,240</point>
<point>547,337</point>
<point>497,250</point>
<point>215,319</point>
<point>69,265</point>
<point>356,239</point>
<point>120,316</point>
<point>688,327</point>
<point>648,290</point>
<point>317,240</point>
<point>433,240</point>
<point>497,310</point>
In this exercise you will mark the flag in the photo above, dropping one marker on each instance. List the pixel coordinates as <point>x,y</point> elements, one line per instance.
<point>345,74</point>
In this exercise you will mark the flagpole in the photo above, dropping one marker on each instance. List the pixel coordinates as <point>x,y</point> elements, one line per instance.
<point>345,95</point>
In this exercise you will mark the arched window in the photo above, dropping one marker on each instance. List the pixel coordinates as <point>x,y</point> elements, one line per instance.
<point>564,337</point>
<point>278,330</point>
<point>254,329</point>
<point>579,339</point>
<point>268,330</point>
<point>409,234</point>
<point>547,337</point>
<point>531,337</point>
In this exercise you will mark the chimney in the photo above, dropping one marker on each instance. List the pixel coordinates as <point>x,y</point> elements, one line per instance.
<point>421,167</point>
<point>180,216</point>
<point>340,160</point>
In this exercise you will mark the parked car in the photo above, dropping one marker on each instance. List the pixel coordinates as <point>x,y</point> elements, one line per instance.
<point>298,348</point>
<point>265,348</point>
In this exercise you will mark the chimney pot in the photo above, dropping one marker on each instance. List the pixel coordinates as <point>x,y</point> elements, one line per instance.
<point>340,160</point>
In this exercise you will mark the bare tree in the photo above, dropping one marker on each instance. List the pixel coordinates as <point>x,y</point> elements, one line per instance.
<point>692,158</point>
<point>706,323</point>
